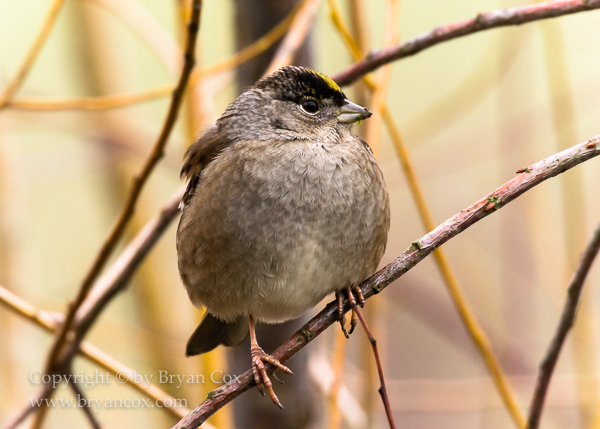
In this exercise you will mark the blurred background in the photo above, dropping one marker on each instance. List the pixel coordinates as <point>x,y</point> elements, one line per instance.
<point>470,112</point>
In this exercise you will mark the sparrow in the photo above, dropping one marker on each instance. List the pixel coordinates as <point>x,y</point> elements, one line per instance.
<point>284,206</point>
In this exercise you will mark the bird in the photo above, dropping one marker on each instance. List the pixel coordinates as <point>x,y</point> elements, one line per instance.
<point>284,205</point>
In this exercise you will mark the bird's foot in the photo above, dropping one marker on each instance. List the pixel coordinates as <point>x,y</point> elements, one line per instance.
<point>354,295</point>
<point>260,372</point>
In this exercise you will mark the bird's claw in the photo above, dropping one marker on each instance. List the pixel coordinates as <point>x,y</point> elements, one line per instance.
<point>261,377</point>
<point>354,296</point>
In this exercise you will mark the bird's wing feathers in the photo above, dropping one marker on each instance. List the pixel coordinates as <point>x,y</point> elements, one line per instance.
<point>212,332</point>
<point>198,156</point>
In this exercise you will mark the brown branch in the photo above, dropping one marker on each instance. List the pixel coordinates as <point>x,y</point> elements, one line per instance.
<point>526,179</point>
<point>483,21</point>
<point>57,360</point>
<point>86,406</point>
<point>382,389</point>
<point>567,321</point>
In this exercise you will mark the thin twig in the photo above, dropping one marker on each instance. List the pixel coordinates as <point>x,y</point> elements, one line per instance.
<point>54,358</point>
<point>86,405</point>
<point>564,120</point>
<point>382,390</point>
<point>567,321</point>
<point>420,249</point>
<point>32,55</point>
<point>103,102</point>
<point>483,21</point>
<point>113,282</point>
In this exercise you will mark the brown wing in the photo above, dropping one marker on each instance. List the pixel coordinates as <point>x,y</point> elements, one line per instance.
<point>198,156</point>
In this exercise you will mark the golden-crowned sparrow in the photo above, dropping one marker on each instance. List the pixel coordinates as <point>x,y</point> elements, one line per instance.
<point>284,206</point>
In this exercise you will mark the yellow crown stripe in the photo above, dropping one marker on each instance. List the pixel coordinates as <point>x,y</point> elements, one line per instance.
<point>330,82</point>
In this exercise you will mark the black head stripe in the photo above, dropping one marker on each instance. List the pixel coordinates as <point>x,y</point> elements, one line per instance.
<point>293,83</point>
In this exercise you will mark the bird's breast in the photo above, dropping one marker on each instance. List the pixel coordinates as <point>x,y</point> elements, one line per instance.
<point>292,224</point>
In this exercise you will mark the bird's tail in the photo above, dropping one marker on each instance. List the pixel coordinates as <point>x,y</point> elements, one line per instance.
<point>212,332</point>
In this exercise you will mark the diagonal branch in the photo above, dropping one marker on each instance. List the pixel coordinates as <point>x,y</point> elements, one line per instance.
<point>483,21</point>
<point>567,320</point>
<point>526,179</point>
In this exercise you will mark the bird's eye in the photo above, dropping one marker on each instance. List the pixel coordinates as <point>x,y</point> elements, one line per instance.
<point>310,106</point>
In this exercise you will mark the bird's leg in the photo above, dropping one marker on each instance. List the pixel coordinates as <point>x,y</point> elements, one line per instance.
<point>258,367</point>
<point>354,294</point>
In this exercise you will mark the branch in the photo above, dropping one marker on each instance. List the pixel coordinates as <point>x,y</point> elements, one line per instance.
<point>566,323</point>
<point>483,21</point>
<point>86,407</point>
<point>526,179</point>
<point>382,388</point>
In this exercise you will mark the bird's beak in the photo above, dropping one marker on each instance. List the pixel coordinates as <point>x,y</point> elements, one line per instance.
<point>351,112</point>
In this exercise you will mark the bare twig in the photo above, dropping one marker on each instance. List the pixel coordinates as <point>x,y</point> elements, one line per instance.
<point>86,406</point>
<point>483,21</point>
<point>382,389</point>
<point>567,320</point>
<point>455,289</point>
<point>529,178</point>
<point>56,357</point>
<point>32,55</point>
